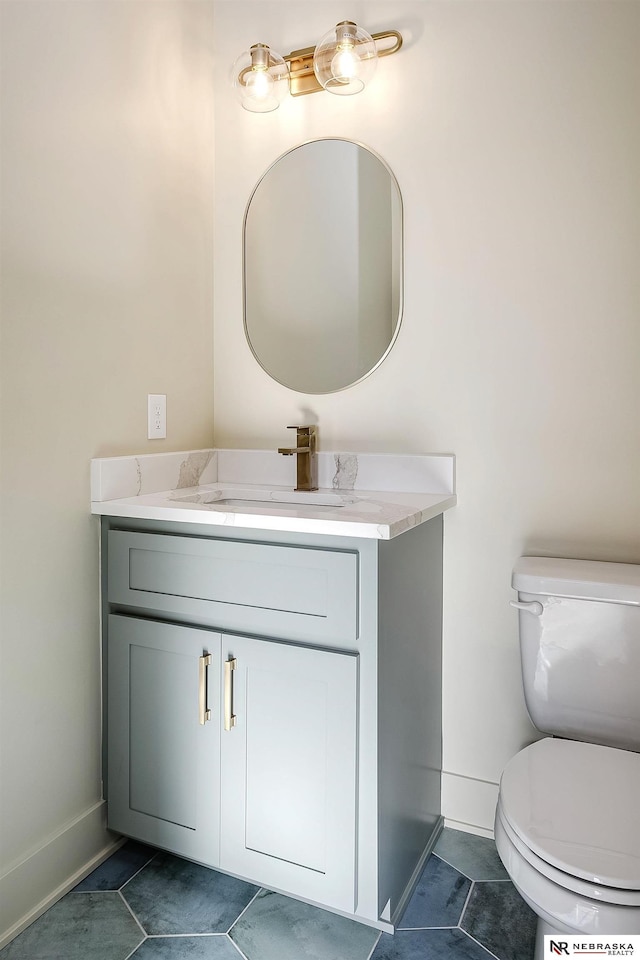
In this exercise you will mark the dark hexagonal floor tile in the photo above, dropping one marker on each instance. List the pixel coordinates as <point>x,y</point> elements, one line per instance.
<point>118,869</point>
<point>81,925</point>
<point>172,896</point>
<point>279,928</point>
<point>498,918</point>
<point>428,945</point>
<point>214,947</point>
<point>438,899</point>
<point>476,857</point>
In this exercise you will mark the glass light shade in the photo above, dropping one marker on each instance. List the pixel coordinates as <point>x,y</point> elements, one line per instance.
<point>345,59</point>
<point>261,79</point>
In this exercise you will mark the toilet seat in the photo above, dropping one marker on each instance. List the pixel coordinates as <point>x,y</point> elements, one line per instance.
<point>596,892</point>
<point>559,908</point>
<point>571,810</point>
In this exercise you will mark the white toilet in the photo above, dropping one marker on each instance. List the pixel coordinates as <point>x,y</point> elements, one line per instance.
<point>568,818</point>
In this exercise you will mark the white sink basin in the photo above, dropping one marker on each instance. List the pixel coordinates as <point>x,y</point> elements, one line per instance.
<point>237,499</point>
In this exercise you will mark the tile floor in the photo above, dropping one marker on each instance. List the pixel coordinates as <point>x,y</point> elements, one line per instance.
<point>145,905</point>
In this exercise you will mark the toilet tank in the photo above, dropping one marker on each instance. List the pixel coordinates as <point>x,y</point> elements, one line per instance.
<point>580,648</point>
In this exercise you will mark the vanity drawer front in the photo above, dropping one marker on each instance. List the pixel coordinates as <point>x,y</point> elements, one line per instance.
<point>288,592</point>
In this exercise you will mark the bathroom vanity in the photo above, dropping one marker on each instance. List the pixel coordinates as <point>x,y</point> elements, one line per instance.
<point>273,670</point>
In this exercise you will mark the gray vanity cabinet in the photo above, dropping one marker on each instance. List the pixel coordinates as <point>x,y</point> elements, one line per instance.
<point>273,704</point>
<point>270,795</point>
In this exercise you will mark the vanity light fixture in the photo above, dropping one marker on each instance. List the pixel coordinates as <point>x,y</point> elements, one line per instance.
<point>261,79</point>
<point>343,62</point>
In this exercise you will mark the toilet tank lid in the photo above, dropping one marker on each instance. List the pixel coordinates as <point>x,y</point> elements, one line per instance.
<point>579,579</point>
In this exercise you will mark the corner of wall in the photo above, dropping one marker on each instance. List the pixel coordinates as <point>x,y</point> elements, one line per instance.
<point>34,884</point>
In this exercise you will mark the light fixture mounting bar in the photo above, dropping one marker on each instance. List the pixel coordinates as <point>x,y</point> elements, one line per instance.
<point>303,79</point>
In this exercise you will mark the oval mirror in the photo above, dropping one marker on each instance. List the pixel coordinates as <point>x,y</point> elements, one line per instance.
<point>323,266</point>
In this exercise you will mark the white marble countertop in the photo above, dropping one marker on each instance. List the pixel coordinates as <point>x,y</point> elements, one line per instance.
<point>360,495</point>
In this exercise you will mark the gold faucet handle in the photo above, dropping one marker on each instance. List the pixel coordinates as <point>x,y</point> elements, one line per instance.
<point>306,435</point>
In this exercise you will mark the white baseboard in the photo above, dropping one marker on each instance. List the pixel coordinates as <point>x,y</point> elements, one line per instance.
<point>469,804</point>
<point>469,828</point>
<point>33,885</point>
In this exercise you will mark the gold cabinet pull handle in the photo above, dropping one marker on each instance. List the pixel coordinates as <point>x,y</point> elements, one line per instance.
<point>204,662</point>
<point>229,717</point>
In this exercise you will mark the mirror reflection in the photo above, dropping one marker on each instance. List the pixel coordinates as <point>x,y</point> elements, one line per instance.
<point>323,266</point>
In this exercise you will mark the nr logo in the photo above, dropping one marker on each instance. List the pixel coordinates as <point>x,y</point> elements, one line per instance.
<point>559,947</point>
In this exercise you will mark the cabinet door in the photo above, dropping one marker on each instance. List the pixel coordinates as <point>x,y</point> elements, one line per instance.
<point>288,768</point>
<point>163,762</point>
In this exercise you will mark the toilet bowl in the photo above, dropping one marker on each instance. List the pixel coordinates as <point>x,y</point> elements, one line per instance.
<point>567,824</point>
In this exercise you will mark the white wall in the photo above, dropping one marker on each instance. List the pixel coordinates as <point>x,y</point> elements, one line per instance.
<point>512,128</point>
<point>107,205</point>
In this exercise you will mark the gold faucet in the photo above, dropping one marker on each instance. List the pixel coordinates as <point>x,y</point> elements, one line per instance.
<point>307,461</point>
